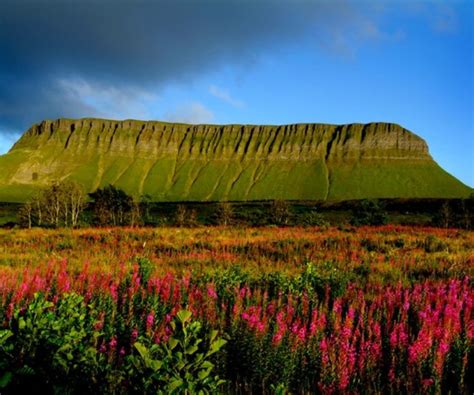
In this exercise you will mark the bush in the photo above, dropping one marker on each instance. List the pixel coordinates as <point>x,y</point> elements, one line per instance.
<point>47,347</point>
<point>181,365</point>
<point>55,348</point>
<point>185,217</point>
<point>369,212</point>
<point>280,213</point>
<point>313,218</point>
<point>433,244</point>
<point>224,214</point>
<point>322,277</point>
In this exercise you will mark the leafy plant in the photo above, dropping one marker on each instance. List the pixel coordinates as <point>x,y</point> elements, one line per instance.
<point>183,363</point>
<point>50,340</point>
<point>322,276</point>
<point>5,356</point>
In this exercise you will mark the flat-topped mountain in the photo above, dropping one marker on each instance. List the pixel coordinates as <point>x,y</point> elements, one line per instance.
<point>179,162</point>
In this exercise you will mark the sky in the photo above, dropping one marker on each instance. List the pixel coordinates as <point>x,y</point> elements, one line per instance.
<point>244,61</point>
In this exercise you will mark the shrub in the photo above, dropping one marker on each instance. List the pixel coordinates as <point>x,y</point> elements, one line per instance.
<point>185,217</point>
<point>280,213</point>
<point>321,277</point>
<point>180,365</point>
<point>224,214</point>
<point>313,218</point>
<point>433,244</point>
<point>49,346</point>
<point>369,212</point>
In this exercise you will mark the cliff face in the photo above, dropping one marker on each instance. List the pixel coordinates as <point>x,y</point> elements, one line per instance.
<point>295,142</point>
<point>235,162</point>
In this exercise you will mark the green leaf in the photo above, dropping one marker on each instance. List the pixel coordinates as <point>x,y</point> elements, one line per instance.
<point>172,343</point>
<point>21,323</point>
<point>207,365</point>
<point>191,350</point>
<point>198,357</point>
<point>180,364</point>
<point>156,365</point>
<point>176,383</point>
<point>203,374</point>
<point>142,350</point>
<point>213,335</point>
<point>5,379</point>
<point>5,335</point>
<point>184,316</point>
<point>217,345</point>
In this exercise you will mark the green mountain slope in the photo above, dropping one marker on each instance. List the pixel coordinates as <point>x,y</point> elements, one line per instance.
<point>178,162</point>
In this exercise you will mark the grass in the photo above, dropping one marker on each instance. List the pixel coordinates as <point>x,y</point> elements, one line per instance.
<point>411,179</point>
<point>391,252</point>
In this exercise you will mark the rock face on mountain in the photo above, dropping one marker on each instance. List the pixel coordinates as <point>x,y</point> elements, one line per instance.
<point>179,162</point>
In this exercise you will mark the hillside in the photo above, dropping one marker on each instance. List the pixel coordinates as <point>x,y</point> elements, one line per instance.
<point>179,162</point>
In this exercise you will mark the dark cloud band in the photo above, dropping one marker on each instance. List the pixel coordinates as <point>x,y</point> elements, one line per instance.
<point>138,44</point>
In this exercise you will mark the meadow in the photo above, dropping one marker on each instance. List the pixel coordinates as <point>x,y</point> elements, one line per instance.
<point>382,309</point>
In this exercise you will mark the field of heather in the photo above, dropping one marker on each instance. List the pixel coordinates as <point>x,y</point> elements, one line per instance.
<point>237,310</point>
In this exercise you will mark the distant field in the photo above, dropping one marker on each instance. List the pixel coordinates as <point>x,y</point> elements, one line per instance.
<point>393,253</point>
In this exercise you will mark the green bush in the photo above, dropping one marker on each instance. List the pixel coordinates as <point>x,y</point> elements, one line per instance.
<point>48,344</point>
<point>182,364</point>
<point>318,278</point>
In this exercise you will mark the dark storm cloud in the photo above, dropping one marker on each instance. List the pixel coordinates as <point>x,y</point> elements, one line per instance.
<point>130,45</point>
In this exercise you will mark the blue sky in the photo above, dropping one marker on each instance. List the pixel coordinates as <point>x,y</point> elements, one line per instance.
<point>273,63</point>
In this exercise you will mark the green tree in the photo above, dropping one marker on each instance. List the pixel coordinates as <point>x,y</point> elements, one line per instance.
<point>112,206</point>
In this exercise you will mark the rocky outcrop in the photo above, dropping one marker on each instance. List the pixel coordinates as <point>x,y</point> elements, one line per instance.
<point>286,142</point>
<point>172,161</point>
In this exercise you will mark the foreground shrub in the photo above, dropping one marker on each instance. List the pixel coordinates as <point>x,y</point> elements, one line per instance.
<point>56,348</point>
<point>180,365</point>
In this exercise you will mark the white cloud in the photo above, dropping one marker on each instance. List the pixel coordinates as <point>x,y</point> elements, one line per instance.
<point>224,95</point>
<point>193,113</point>
<point>109,101</point>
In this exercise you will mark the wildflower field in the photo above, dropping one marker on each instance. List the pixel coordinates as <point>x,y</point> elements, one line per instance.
<point>237,310</point>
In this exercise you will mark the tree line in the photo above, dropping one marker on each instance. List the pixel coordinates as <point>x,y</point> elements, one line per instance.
<point>66,204</point>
